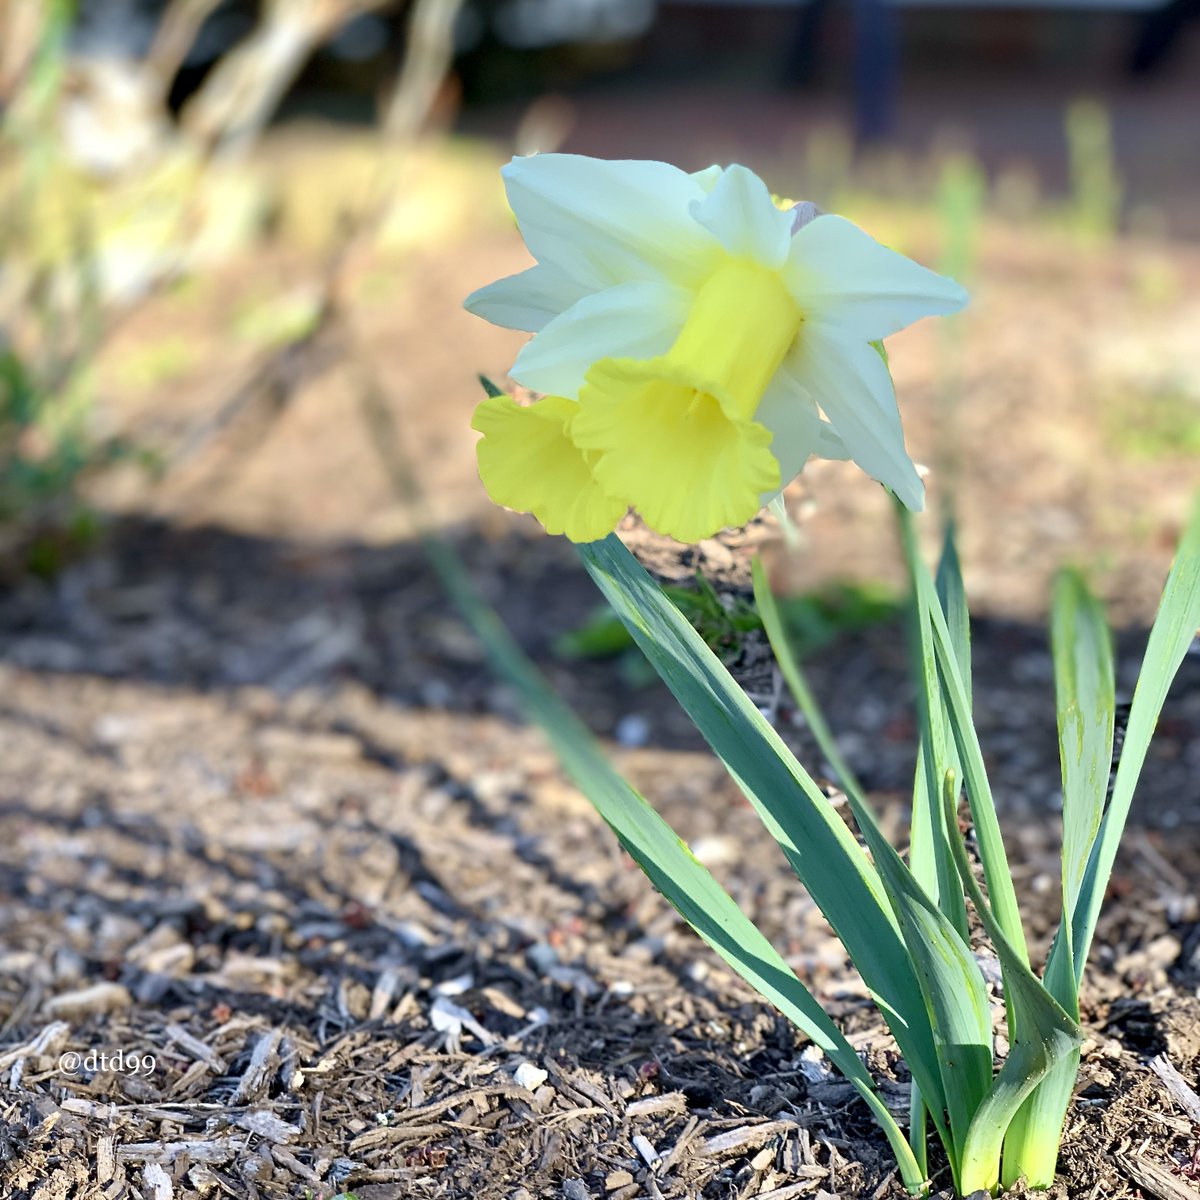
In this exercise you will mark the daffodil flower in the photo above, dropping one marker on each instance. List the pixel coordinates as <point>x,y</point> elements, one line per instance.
<point>690,333</point>
<point>530,463</point>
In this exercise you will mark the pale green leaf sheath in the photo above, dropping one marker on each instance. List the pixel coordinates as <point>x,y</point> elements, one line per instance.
<point>1086,702</point>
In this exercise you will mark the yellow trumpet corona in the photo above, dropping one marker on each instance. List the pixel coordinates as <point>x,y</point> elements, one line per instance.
<point>677,434</point>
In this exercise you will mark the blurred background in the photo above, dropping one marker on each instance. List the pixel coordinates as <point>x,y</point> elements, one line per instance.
<point>233,358</point>
<point>234,362</point>
<point>256,777</point>
<point>227,223</point>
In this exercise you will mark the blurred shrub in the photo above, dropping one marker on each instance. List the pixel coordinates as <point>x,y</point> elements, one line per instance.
<point>45,445</point>
<point>47,451</point>
<point>107,195</point>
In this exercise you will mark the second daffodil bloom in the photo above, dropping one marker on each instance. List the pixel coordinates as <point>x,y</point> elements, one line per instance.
<point>690,334</point>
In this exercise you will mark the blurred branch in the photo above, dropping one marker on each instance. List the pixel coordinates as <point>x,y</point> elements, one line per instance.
<point>173,39</point>
<point>243,90</point>
<point>21,25</point>
<point>32,39</point>
<point>427,57</point>
<point>273,383</point>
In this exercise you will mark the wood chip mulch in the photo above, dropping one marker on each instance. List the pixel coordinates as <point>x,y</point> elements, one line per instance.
<point>313,939</point>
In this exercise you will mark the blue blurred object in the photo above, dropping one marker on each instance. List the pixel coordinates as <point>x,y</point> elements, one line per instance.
<point>876,67</point>
<point>527,24</point>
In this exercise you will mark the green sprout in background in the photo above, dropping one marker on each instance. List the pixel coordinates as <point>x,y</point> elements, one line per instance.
<point>1095,186</point>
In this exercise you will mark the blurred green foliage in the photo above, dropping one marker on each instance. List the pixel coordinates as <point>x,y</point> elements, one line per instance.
<point>279,320</point>
<point>962,194</point>
<point>49,332</point>
<point>161,362</point>
<point>1155,424</point>
<point>46,451</point>
<point>1095,186</point>
<point>814,620</point>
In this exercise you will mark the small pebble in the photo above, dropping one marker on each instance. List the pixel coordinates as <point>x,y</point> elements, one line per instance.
<point>529,1076</point>
<point>632,731</point>
<point>542,957</point>
<point>644,1147</point>
<point>455,986</point>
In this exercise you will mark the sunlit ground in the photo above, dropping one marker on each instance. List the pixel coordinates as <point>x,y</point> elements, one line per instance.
<point>1063,409</point>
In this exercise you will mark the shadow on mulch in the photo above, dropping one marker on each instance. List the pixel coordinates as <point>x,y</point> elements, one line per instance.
<point>207,608</point>
<point>265,817</point>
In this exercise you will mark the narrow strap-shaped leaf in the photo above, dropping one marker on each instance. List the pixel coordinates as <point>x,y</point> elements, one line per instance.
<point>666,860</point>
<point>929,856</point>
<point>979,792</point>
<point>793,676</point>
<point>1042,1034</point>
<point>955,996</point>
<point>1085,691</point>
<point>1171,635</point>
<point>1085,696</point>
<point>953,597</point>
<point>814,839</point>
<point>952,985</point>
<point>923,856</point>
<point>918,1135</point>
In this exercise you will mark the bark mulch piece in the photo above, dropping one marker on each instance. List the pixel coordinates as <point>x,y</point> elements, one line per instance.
<point>392,952</point>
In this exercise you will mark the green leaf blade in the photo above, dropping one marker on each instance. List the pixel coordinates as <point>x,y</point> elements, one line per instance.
<point>951,982</point>
<point>814,839</point>
<point>665,858</point>
<point>1171,636</point>
<point>937,753</point>
<point>952,595</point>
<point>1085,691</point>
<point>979,792</point>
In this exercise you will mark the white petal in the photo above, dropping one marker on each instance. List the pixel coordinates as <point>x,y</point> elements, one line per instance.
<point>707,178</point>
<point>632,320</point>
<point>742,216</point>
<point>609,222</point>
<point>842,276</point>
<point>850,381</point>
<point>526,301</point>
<point>788,410</point>
<point>830,444</point>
